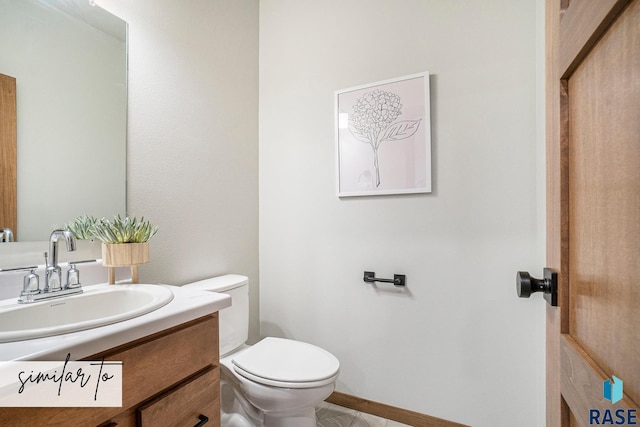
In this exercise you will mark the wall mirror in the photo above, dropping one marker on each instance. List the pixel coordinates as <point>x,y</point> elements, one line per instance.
<point>69,61</point>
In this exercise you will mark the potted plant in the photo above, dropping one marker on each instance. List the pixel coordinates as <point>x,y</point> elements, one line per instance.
<point>85,241</point>
<point>125,243</point>
<point>81,227</point>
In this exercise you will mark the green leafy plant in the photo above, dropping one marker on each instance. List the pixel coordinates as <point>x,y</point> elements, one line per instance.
<point>123,230</point>
<point>81,227</point>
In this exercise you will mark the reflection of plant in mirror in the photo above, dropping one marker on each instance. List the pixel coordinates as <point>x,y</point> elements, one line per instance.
<point>127,230</point>
<point>81,227</point>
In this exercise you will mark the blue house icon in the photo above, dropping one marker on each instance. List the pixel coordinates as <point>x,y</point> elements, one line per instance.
<point>612,390</point>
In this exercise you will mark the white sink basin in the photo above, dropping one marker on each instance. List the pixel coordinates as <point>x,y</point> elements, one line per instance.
<point>98,305</point>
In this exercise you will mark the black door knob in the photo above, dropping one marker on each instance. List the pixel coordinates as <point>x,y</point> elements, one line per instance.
<point>527,285</point>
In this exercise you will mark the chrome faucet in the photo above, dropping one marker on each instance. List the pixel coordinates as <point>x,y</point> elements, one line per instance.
<point>53,273</point>
<point>6,235</point>
<point>53,286</point>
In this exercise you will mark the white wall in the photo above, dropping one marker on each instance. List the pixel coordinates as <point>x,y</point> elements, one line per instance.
<point>458,344</point>
<point>192,157</point>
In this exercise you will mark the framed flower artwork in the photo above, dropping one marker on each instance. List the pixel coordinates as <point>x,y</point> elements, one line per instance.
<point>383,137</point>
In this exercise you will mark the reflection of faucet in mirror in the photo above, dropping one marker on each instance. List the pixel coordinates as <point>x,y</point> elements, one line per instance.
<point>6,235</point>
<point>53,274</point>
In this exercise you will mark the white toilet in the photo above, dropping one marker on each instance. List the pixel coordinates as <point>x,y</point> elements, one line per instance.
<point>274,383</point>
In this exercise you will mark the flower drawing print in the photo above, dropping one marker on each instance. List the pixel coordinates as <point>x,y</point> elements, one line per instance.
<point>375,120</point>
<point>383,137</point>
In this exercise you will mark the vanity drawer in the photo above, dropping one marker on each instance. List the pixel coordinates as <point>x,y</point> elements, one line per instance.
<point>194,402</point>
<point>162,361</point>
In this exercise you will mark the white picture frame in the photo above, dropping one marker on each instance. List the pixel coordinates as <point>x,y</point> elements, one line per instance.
<point>383,137</point>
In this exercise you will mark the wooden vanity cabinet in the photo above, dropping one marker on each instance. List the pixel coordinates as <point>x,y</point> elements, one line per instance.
<point>170,378</point>
<point>187,405</point>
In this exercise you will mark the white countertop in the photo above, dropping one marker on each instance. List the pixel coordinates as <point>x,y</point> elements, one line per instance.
<point>187,305</point>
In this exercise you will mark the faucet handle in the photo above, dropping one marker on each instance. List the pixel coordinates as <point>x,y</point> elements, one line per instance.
<point>31,284</point>
<point>31,287</point>
<point>73,277</point>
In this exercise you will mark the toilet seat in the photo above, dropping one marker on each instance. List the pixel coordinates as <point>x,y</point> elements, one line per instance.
<point>281,362</point>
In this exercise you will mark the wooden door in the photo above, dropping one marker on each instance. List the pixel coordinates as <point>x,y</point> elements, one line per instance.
<point>593,209</point>
<point>8,146</point>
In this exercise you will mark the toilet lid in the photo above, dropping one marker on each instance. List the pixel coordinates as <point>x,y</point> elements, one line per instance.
<point>287,363</point>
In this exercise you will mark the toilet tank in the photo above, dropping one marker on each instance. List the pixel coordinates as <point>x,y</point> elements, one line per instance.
<point>234,320</point>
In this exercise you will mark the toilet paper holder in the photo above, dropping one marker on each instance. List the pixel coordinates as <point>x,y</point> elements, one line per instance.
<point>398,279</point>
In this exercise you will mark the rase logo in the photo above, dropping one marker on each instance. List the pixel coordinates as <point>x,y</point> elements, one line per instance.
<point>612,391</point>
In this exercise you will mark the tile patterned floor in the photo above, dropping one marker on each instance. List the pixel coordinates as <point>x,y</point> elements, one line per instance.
<point>330,415</point>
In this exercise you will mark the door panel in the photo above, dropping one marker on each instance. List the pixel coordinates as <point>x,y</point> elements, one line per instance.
<point>8,146</point>
<point>604,201</point>
<point>581,25</point>
<point>593,204</point>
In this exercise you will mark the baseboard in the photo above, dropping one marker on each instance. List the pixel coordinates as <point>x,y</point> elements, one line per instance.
<point>400,415</point>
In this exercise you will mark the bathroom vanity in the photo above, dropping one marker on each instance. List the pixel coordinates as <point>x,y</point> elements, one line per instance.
<point>170,373</point>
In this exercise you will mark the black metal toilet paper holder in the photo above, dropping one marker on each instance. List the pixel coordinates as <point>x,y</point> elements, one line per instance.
<point>398,279</point>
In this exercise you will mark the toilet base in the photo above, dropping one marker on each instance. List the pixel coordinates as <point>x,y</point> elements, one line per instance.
<point>305,417</point>
<point>235,411</point>
<point>235,420</point>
